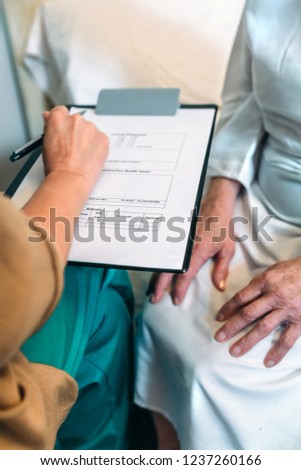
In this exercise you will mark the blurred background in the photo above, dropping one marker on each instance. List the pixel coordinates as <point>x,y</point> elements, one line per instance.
<point>65,51</point>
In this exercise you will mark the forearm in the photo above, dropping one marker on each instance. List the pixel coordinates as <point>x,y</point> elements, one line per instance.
<point>222,191</point>
<point>31,281</point>
<point>61,195</point>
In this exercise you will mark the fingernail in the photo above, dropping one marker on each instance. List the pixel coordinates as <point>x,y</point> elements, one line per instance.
<point>221,285</point>
<point>235,351</point>
<point>270,363</point>
<point>176,301</point>
<point>152,299</point>
<point>221,336</point>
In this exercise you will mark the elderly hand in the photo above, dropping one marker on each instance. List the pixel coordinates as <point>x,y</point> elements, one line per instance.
<point>74,153</point>
<point>211,241</point>
<point>74,146</point>
<point>271,299</point>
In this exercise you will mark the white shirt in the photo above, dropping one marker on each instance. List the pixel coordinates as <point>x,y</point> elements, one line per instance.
<point>262,97</point>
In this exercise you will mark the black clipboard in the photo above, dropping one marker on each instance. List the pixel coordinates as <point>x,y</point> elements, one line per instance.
<point>13,187</point>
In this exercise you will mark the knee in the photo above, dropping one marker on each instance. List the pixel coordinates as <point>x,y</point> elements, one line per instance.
<point>117,317</point>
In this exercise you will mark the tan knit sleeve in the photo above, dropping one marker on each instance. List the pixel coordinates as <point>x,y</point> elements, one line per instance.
<point>34,398</point>
<point>31,280</point>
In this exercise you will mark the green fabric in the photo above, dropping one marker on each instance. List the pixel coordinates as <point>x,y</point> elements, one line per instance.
<point>89,336</point>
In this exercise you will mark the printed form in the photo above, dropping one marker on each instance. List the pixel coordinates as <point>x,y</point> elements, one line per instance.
<point>139,214</point>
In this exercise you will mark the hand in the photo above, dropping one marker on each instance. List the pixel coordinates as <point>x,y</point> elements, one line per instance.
<point>212,240</point>
<point>271,299</point>
<point>74,146</point>
<point>74,153</point>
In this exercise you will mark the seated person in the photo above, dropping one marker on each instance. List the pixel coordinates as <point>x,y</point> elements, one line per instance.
<point>81,354</point>
<point>246,399</point>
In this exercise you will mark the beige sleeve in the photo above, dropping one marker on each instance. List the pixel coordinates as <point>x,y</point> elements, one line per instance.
<point>34,401</point>
<point>31,280</point>
<point>34,398</point>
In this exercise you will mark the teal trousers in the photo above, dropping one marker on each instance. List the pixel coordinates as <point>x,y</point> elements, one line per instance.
<point>89,336</point>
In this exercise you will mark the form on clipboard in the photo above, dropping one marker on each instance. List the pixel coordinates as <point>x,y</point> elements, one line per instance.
<point>142,212</point>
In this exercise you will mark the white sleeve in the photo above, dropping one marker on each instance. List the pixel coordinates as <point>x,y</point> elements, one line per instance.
<point>240,128</point>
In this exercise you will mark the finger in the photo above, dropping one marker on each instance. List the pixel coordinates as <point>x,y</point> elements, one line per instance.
<point>60,109</point>
<point>150,287</point>
<point>240,299</point>
<point>183,281</point>
<point>162,282</point>
<point>261,330</point>
<point>221,267</point>
<point>246,316</point>
<point>180,287</point>
<point>57,111</point>
<point>283,345</point>
<point>46,114</point>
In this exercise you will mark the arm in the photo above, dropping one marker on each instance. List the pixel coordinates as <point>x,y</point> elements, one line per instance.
<point>231,166</point>
<point>74,153</point>
<point>240,128</point>
<point>31,409</point>
<point>215,219</point>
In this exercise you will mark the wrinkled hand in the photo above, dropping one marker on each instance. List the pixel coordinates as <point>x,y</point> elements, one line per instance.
<point>271,299</point>
<point>73,145</point>
<point>211,241</point>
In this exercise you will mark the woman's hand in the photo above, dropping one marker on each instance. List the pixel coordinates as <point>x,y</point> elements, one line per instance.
<point>73,146</point>
<point>212,240</point>
<point>74,153</point>
<point>271,299</point>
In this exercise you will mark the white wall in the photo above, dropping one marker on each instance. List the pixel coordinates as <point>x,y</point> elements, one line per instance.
<point>19,15</point>
<point>13,125</point>
<point>18,123</point>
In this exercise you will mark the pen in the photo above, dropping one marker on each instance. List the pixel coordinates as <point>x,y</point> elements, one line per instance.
<point>26,149</point>
<point>30,146</point>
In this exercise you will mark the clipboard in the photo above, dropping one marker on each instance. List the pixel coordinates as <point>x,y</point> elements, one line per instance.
<point>115,103</point>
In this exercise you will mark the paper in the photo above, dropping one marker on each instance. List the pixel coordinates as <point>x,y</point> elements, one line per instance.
<point>139,213</point>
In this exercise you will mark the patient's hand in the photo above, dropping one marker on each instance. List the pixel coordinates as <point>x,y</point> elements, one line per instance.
<point>271,299</point>
<point>211,241</point>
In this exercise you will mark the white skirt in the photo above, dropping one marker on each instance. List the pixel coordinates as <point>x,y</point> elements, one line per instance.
<point>213,400</point>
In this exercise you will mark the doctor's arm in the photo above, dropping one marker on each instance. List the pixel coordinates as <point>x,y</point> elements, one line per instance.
<point>74,153</point>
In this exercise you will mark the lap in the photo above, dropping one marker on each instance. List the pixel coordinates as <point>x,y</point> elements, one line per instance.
<point>213,399</point>
<point>83,307</point>
<point>89,336</point>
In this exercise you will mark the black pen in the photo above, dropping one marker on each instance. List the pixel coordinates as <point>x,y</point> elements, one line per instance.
<point>26,149</point>
<point>31,146</point>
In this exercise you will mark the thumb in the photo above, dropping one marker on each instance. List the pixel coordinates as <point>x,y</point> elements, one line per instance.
<point>46,116</point>
<point>221,267</point>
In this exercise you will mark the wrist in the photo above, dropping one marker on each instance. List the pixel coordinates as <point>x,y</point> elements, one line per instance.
<point>75,183</point>
<point>221,196</point>
<point>62,196</point>
<point>223,187</point>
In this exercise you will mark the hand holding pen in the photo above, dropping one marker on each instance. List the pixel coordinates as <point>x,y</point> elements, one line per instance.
<point>31,146</point>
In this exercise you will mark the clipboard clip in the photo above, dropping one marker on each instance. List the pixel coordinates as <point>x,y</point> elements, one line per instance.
<point>138,101</point>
